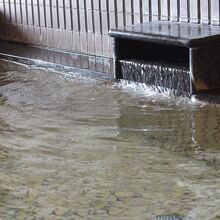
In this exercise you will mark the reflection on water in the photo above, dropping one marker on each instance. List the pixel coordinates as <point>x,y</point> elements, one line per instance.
<point>86,149</point>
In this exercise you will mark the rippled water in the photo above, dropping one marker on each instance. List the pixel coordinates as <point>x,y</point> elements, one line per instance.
<point>74,148</point>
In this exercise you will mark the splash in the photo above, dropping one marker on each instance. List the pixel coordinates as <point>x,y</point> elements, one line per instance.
<point>161,77</point>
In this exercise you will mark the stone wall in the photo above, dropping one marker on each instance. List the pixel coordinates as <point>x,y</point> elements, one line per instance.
<point>81,26</point>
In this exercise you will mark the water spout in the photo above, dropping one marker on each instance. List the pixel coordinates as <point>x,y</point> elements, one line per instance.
<point>161,77</point>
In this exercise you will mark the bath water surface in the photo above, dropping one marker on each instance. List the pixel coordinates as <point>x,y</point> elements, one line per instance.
<point>76,148</point>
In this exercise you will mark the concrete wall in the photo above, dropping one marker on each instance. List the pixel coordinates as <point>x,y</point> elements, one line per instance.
<point>82,25</point>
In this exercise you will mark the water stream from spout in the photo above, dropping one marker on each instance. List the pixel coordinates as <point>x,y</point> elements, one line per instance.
<point>161,77</point>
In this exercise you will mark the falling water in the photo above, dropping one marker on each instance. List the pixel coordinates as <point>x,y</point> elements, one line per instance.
<point>161,77</point>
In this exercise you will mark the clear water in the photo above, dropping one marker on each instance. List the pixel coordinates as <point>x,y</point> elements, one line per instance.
<point>74,148</point>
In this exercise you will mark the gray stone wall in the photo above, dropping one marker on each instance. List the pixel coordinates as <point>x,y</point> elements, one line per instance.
<point>82,25</point>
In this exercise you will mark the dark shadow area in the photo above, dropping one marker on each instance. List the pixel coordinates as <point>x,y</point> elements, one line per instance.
<point>212,97</point>
<point>151,52</point>
<point>13,46</point>
<point>10,31</point>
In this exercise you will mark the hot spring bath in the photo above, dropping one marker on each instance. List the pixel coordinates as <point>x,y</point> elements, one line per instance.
<point>74,148</point>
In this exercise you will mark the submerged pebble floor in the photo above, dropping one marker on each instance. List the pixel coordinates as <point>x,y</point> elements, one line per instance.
<point>75,148</point>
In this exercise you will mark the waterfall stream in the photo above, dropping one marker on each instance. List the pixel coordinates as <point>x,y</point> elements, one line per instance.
<point>159,76</point>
